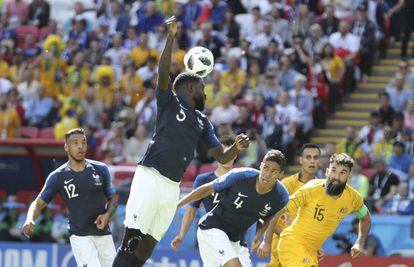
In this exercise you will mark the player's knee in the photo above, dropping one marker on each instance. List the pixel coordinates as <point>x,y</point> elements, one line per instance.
<point>233,263</point>
<point>125,259</point>
<point>132,238</point>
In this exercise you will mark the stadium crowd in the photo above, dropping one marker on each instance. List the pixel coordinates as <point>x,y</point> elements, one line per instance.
<point>281,68</point>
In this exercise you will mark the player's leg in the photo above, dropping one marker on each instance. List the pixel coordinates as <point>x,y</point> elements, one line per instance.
<point>84,251</point>
<point>141,209</point>
<point>244,254</point>
<point>293,253</point>
<point>106,249</point>
<point>216,249</point>
<point>274,258</point>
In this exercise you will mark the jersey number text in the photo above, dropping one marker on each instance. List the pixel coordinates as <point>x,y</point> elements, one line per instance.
<point>318,214</point>
<point>70,190</point>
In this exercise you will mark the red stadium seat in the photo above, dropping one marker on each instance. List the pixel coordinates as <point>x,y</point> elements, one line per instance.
<point>191,173</point>
<point>43,32</point>
<point>23,31</point>
<point>47,133</point>
<point>127,164</point>
<point>207,168</point>
<point>29,132</point>
<point>26,196</point>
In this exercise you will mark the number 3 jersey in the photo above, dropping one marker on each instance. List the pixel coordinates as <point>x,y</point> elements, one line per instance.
<point>318,214</point>
<point>84,194</point>
<point>179,129</point>
<point>240,204</point>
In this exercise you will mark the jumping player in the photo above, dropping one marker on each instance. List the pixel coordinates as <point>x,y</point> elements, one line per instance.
<point>246,196</point>
<point>85,186</point>
<point>180,126</point>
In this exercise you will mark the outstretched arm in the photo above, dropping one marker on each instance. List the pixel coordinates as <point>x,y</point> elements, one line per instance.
<point>225,155</point>
<point>364,225</point>
<point>201,192</point>
<point>32,214</point>
<point>265,246</point>
<point>185,225</point>
<point>165,60</point>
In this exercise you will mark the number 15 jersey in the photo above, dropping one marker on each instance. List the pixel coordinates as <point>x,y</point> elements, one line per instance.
<point>318,213</point>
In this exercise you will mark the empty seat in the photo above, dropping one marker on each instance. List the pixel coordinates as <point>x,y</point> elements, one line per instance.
<point>47,133</point>
<point>29,132</point>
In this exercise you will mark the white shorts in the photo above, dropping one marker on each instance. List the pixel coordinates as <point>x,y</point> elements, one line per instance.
<point>93,251</point>
<point>152,202</point>
<point>216,249</point>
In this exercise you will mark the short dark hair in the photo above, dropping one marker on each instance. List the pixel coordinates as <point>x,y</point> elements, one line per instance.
<point>310,145</point>
<point>185,78</point>
<point>74,131</point>
<point>276,156</point>
<point>375,114</point>
<point>342,159</point>
<point>399,116</point>
<point>227,140</point>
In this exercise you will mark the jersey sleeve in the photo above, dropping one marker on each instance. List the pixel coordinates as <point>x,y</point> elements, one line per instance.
<point>109,188</point>
<point>299,199</point>
<point>199,181</point>
<point>228,180</point>
<point>50,189</point>
<point>283,196</point>
<point>209,137</point>
<point>357,201</point>
<point>163,96</point>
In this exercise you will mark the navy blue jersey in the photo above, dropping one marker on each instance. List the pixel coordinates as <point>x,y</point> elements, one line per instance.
<point>178,131</point>
<point>84,194</point>
<point>210,201</point>
<point>240,205</point>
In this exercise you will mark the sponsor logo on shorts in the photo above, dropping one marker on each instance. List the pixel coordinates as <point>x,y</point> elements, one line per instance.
<point>85,265</point>
<point>135,217</point>
<point>221,252</point>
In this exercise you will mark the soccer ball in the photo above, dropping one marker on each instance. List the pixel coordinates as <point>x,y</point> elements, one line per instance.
<point>199,60</point>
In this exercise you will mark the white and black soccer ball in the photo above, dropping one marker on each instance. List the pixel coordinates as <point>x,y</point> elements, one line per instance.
<point>199,60</point>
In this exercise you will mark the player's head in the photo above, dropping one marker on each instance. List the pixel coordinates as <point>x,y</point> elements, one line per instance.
<point>227,141</point>
<point>272,167</point>
<point>338,173</point>
<point>190,87</point>
<point>309,158</point>
<point>75,144</point>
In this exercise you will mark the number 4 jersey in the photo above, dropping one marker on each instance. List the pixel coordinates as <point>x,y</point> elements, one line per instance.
<point>318,213</point>
<point>84,194</point>
<point>240,204</point>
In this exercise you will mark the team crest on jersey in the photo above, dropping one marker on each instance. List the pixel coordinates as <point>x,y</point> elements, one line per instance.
<point>97,179</point>
<point>200,123</point>
<point>343,210</point>
<point>265,210</point>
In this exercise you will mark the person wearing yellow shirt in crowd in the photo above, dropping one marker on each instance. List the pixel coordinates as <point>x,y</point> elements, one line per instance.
<point>350,144</point>
<point>309,161</point>
<point>105,84</point>
<point>384,147</point>
<point>68,121</point>
<point>4,67</point>
<point>131,85</point>
<point>79,70</point>
<point>52,67</point>
<point>214,91</point>
<point>321,205</point>
<point>234,78</point>
<point>9,119</point>
<point>142,52</point>
<point>17,69</point>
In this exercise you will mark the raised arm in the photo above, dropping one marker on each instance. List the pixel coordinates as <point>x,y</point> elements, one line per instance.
<point>32,214</point>
<point>363,229</point>
<point>185,225</point>
<point>265,246</point>
<point>165,59</point>
<point>201,192</point>
<point>225,155</point>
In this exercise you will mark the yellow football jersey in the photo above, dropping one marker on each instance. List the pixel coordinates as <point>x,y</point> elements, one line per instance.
<point>318,213</point>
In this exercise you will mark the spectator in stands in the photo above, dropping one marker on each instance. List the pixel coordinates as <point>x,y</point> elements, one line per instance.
<point>286,74</point>
<point>79,32</point>
<point>402,203</point>
<point>262,40</point>
<point>253,77</point>
<point>365,30</point>
<point>347,46</point>
<point>302,99</point>
<point>114,144</point>
<point>330,22</point>
<point>384,184</point>
<point>5,85</point>
<point>226,113</point>
<point>385,110</point>
<point>147,72</point>
<point>344,9</point>
<point>269,88</point>
<point>300,58</point>
<point>39,13</point>
<point>316,41</point>
<point>183,40</point>
<point>27,88</point>
<point>215,12</point>
<point>349,144</point>
<point>141,53</point>
<point>398,94</point>
<point>258,111</point>
<point>116,53</point>
<point>280,25</point>
<point>210,40</point>
<point>38,108</point>
<point>69,23</point>
<point>288,116</point>
<point>13,100</point>
<point>400,161</point>
<point>118,19</point>
<point>409,114</point>
<point>270,56</point>
<point>192,11</point>
<point>94,54</point>
<point>384,147</point>
<point>18,11</point>
<point>408,72</point>
<point>230,28</point>
<point>254,153</point>
<point>234,78</point>
<point>8,222</point>
<point>68,121</point>
<point>303,20</point>
<point>373,245</point>
<point>146,108</point>
<point>9,119</point>
<point>244,121</point>
<point>151,19</point>
<point>131,40</point>
<point>252,29</point>
<point>272,131</point>
<point>371,134</point>
<point>137,145</point>
<point>92,108</point>
<point>359,181</point>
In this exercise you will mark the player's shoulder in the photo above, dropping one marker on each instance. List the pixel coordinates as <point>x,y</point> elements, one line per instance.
<point>245,172</point>
<point>314,184</point>
<point>98,165</point>
<point>352,191</point>
<point>54,175</point>
<point>290,179</point>
<point>205,177</point>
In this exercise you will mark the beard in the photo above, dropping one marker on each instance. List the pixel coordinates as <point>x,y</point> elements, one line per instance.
<point>199,103</point>
<point>334,189</point>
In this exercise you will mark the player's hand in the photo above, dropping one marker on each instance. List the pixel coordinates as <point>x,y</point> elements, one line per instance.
<point>102,221</point>
<point>242,141</point>
<point>28,228</point>
<point>264,250</point>
<point>358,251</point>
<point>321,254</point>
<point>255,244</point>
<point>176,243</point>
<point>171,23</point>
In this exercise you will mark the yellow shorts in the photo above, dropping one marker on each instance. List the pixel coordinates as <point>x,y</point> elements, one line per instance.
<point>274,258</point>
<point>292,253</point>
